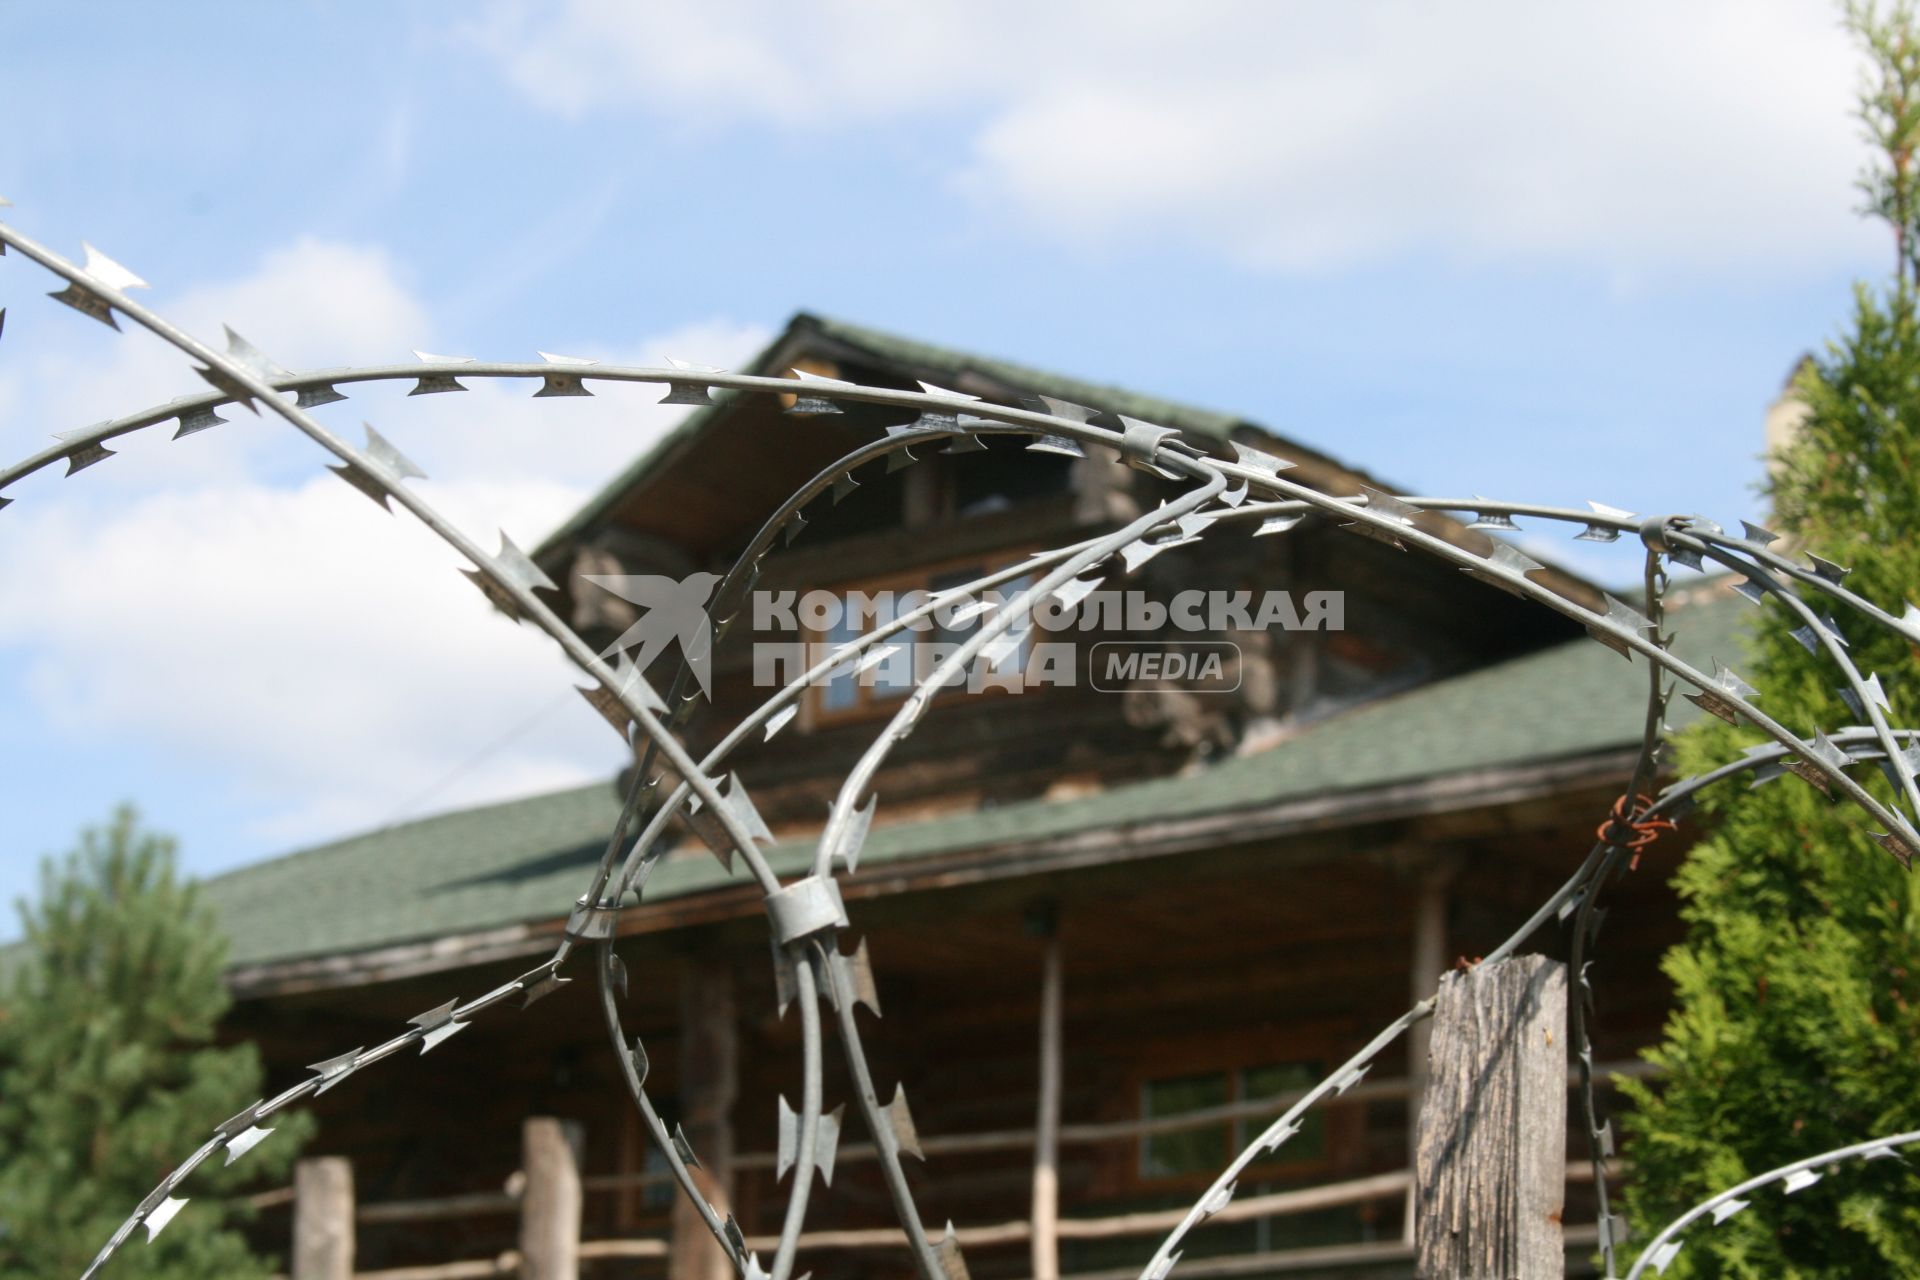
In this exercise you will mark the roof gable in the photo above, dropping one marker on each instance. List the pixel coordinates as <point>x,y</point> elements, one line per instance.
<point>812,337</point>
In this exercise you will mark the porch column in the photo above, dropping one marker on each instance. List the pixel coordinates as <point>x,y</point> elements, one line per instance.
<point>709,1082</point>
<point>1428,962</point>
<point>1046,1127</point>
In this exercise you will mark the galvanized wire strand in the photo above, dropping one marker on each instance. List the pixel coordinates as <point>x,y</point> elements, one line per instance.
<point>240,375</point>
<point>1629,636</point>
<point>645,847</point>
<point>1581,887</point>
<point>1586,922</point>
<point>810,961</point>
<point>806,1145</point>
<point>860,777</point>
<point>1662,1249</point>
<point>1834,646</point>
<point>633,1072</point>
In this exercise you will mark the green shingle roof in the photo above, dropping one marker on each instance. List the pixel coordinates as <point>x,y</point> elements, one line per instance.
<point>526,860</point>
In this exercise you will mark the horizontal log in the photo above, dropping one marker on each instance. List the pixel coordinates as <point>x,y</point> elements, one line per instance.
<point>479,1203</point>
<point>1311,1258</point>
<point>471,1269</point>
<point>473,1205</point>
<point>1379,1186</point>
<point>637,1248</point>
<point>1393,1089</point>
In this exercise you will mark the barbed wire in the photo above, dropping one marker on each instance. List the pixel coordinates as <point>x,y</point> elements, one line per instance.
<point>807,914</point>
<point>1797,1177</point>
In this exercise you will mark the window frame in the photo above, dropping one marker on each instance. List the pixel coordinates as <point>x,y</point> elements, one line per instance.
<point>870,703</point>
<point>1343,1147</point>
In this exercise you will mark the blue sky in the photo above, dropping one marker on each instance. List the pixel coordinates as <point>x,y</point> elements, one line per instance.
<point>1552,252</point>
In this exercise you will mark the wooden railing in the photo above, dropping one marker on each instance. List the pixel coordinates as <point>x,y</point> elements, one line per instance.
<point>548,1190</point>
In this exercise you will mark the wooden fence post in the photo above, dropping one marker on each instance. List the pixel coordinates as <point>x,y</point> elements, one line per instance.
<point>323,1219</point>
<point>1491,1163</point>
<point>550,1202</point>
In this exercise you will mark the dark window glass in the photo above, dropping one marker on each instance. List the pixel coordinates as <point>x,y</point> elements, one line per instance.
<point>1271,1081</point>
<point>1189,1151</point>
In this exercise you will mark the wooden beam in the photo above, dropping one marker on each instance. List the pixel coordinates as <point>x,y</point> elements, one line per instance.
<point>473,1269</point>
<point>1493,1130</point>
<point>710,1073</point>
<point>323,1219</point>
<point>550,1204</point>
<point>1046,1146</point>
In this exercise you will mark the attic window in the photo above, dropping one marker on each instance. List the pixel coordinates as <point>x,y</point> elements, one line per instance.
<point>999,476</point>
<point>878,690</point>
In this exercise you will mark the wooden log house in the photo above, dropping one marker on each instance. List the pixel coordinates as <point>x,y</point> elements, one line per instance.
<point>1113,928</point>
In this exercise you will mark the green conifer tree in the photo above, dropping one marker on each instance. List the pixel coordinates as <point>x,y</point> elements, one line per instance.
<point>1797,1019</point>
<point>108,1072</point>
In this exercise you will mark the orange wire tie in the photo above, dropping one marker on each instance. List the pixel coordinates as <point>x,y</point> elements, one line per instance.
<point>1644,830</point>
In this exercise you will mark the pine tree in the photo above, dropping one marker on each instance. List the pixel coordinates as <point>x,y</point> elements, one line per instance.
<point>1797,1019</point>
<point>108,1073</point>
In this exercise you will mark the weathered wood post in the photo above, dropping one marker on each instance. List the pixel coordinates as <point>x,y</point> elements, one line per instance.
<point>550,1200</point>
<point>709,1084</point>
<point>1491,1164</point>
<point>323,1219</point>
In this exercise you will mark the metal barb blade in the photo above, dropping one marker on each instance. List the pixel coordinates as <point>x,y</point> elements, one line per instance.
<point>86,456</point>
<point>693,394</point>
<point>253,359</point>
<point>194,421</point>
<point>780,719</point>
<point>952,1265</point>
<point>157,1221</point>
<point>335,1069</point>
<point>388,458</point>
<point>855,973</point>
<point>684,1148</point>
<point>900,1120</point>
<point>315,396</point>
<point>642,1065</point>
<point>517,567</point>
<point>848,850</point>
<point>1799,1180</point>
<point>1827,569</point>
<point>1281,1135</point>
<point>1259,460</point>
<point>561,384</point>
<point>244,1141</point>
<point>1064,446</point>
<point>104,271</point>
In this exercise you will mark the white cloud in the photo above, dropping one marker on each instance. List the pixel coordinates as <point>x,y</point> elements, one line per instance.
<point>312,303</point>
<point>226,601</point>
<point>1639,135</point>
<point>309,651</point>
